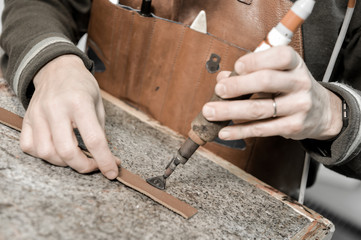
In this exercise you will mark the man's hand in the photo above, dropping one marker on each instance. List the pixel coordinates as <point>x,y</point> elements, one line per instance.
<point>305,109</point>
<point>67,96</point>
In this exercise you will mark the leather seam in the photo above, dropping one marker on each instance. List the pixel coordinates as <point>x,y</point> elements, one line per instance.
<point>196,86</point>
<point>180,43</point>
<point>146,57</point>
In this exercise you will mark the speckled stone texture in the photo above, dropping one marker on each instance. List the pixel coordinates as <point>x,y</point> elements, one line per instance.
<point>42,201</point>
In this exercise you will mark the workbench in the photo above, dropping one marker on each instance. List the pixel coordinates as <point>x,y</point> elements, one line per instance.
<point>42,201</point>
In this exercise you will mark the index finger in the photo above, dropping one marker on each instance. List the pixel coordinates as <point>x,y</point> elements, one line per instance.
<point>94,138</point>
<point>276,58</point>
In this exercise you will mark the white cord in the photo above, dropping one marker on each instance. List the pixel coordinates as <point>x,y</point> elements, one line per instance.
<point>326,78</point>
<point>306,167</point>
<point>338,45</point>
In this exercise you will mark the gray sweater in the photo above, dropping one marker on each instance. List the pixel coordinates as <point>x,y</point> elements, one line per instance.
<point>35,32</point>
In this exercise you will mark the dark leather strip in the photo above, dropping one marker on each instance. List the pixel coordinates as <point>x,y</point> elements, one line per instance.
<point>126,177</point>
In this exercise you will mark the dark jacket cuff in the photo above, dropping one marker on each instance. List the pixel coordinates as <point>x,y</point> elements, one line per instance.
<point>347,144</point>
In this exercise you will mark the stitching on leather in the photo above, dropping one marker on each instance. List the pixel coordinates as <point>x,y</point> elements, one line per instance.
<point>196,85</point>
<point>225,57</point>
<point>146,55</point>
<point>112,42</point>
<point>128,50</point>
<point>120,45</point>
<point>180,43</point>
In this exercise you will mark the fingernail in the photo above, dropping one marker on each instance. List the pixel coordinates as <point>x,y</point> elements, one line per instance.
<point>111,174</point>
<point>224,134</point>
<point>220,89</point>
<point>239,67</point>
<point>208,112</point>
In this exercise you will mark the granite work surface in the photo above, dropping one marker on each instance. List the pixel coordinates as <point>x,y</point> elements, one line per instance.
<point>42,201</point>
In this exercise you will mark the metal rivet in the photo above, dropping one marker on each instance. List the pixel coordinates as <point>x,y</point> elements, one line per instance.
<point>212,64</point>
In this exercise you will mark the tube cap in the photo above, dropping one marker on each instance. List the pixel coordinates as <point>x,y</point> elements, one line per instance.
<point>303,8</point>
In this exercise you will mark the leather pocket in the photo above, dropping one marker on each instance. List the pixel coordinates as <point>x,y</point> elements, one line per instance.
<point>158,65</point>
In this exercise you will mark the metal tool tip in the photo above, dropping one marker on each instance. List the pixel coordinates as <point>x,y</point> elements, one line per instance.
<point>158,182</point>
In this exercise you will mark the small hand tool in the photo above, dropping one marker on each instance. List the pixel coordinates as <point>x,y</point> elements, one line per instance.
<point>202,130</point>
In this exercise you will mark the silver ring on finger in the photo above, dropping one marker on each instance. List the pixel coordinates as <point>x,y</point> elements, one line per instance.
<point>274,104</point>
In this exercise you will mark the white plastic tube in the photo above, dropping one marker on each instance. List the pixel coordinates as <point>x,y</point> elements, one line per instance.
<point>282,34</point>
<point>346,22</point>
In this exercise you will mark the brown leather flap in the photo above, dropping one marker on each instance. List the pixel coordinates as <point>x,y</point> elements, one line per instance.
<point>156,64</point>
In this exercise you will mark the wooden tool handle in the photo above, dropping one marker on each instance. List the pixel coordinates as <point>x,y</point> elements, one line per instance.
<point>206,130</point>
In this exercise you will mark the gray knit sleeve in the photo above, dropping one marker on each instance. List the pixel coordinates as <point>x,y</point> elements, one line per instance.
<point>34,33</point>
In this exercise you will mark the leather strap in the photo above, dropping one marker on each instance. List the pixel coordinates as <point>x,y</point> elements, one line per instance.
<point>126,177</point>
<point>136,182</point>
<point>10,119</point>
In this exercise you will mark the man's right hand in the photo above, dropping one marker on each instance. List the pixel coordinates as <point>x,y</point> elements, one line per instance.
<point>67,96</point>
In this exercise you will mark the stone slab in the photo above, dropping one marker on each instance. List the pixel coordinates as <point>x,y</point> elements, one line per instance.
<point>42,201</point>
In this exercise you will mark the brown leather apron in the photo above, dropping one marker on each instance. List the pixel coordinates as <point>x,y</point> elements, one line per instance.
<point>159,65</point>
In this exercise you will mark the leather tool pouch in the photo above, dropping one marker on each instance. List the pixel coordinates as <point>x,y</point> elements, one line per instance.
<point>161,66</point>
